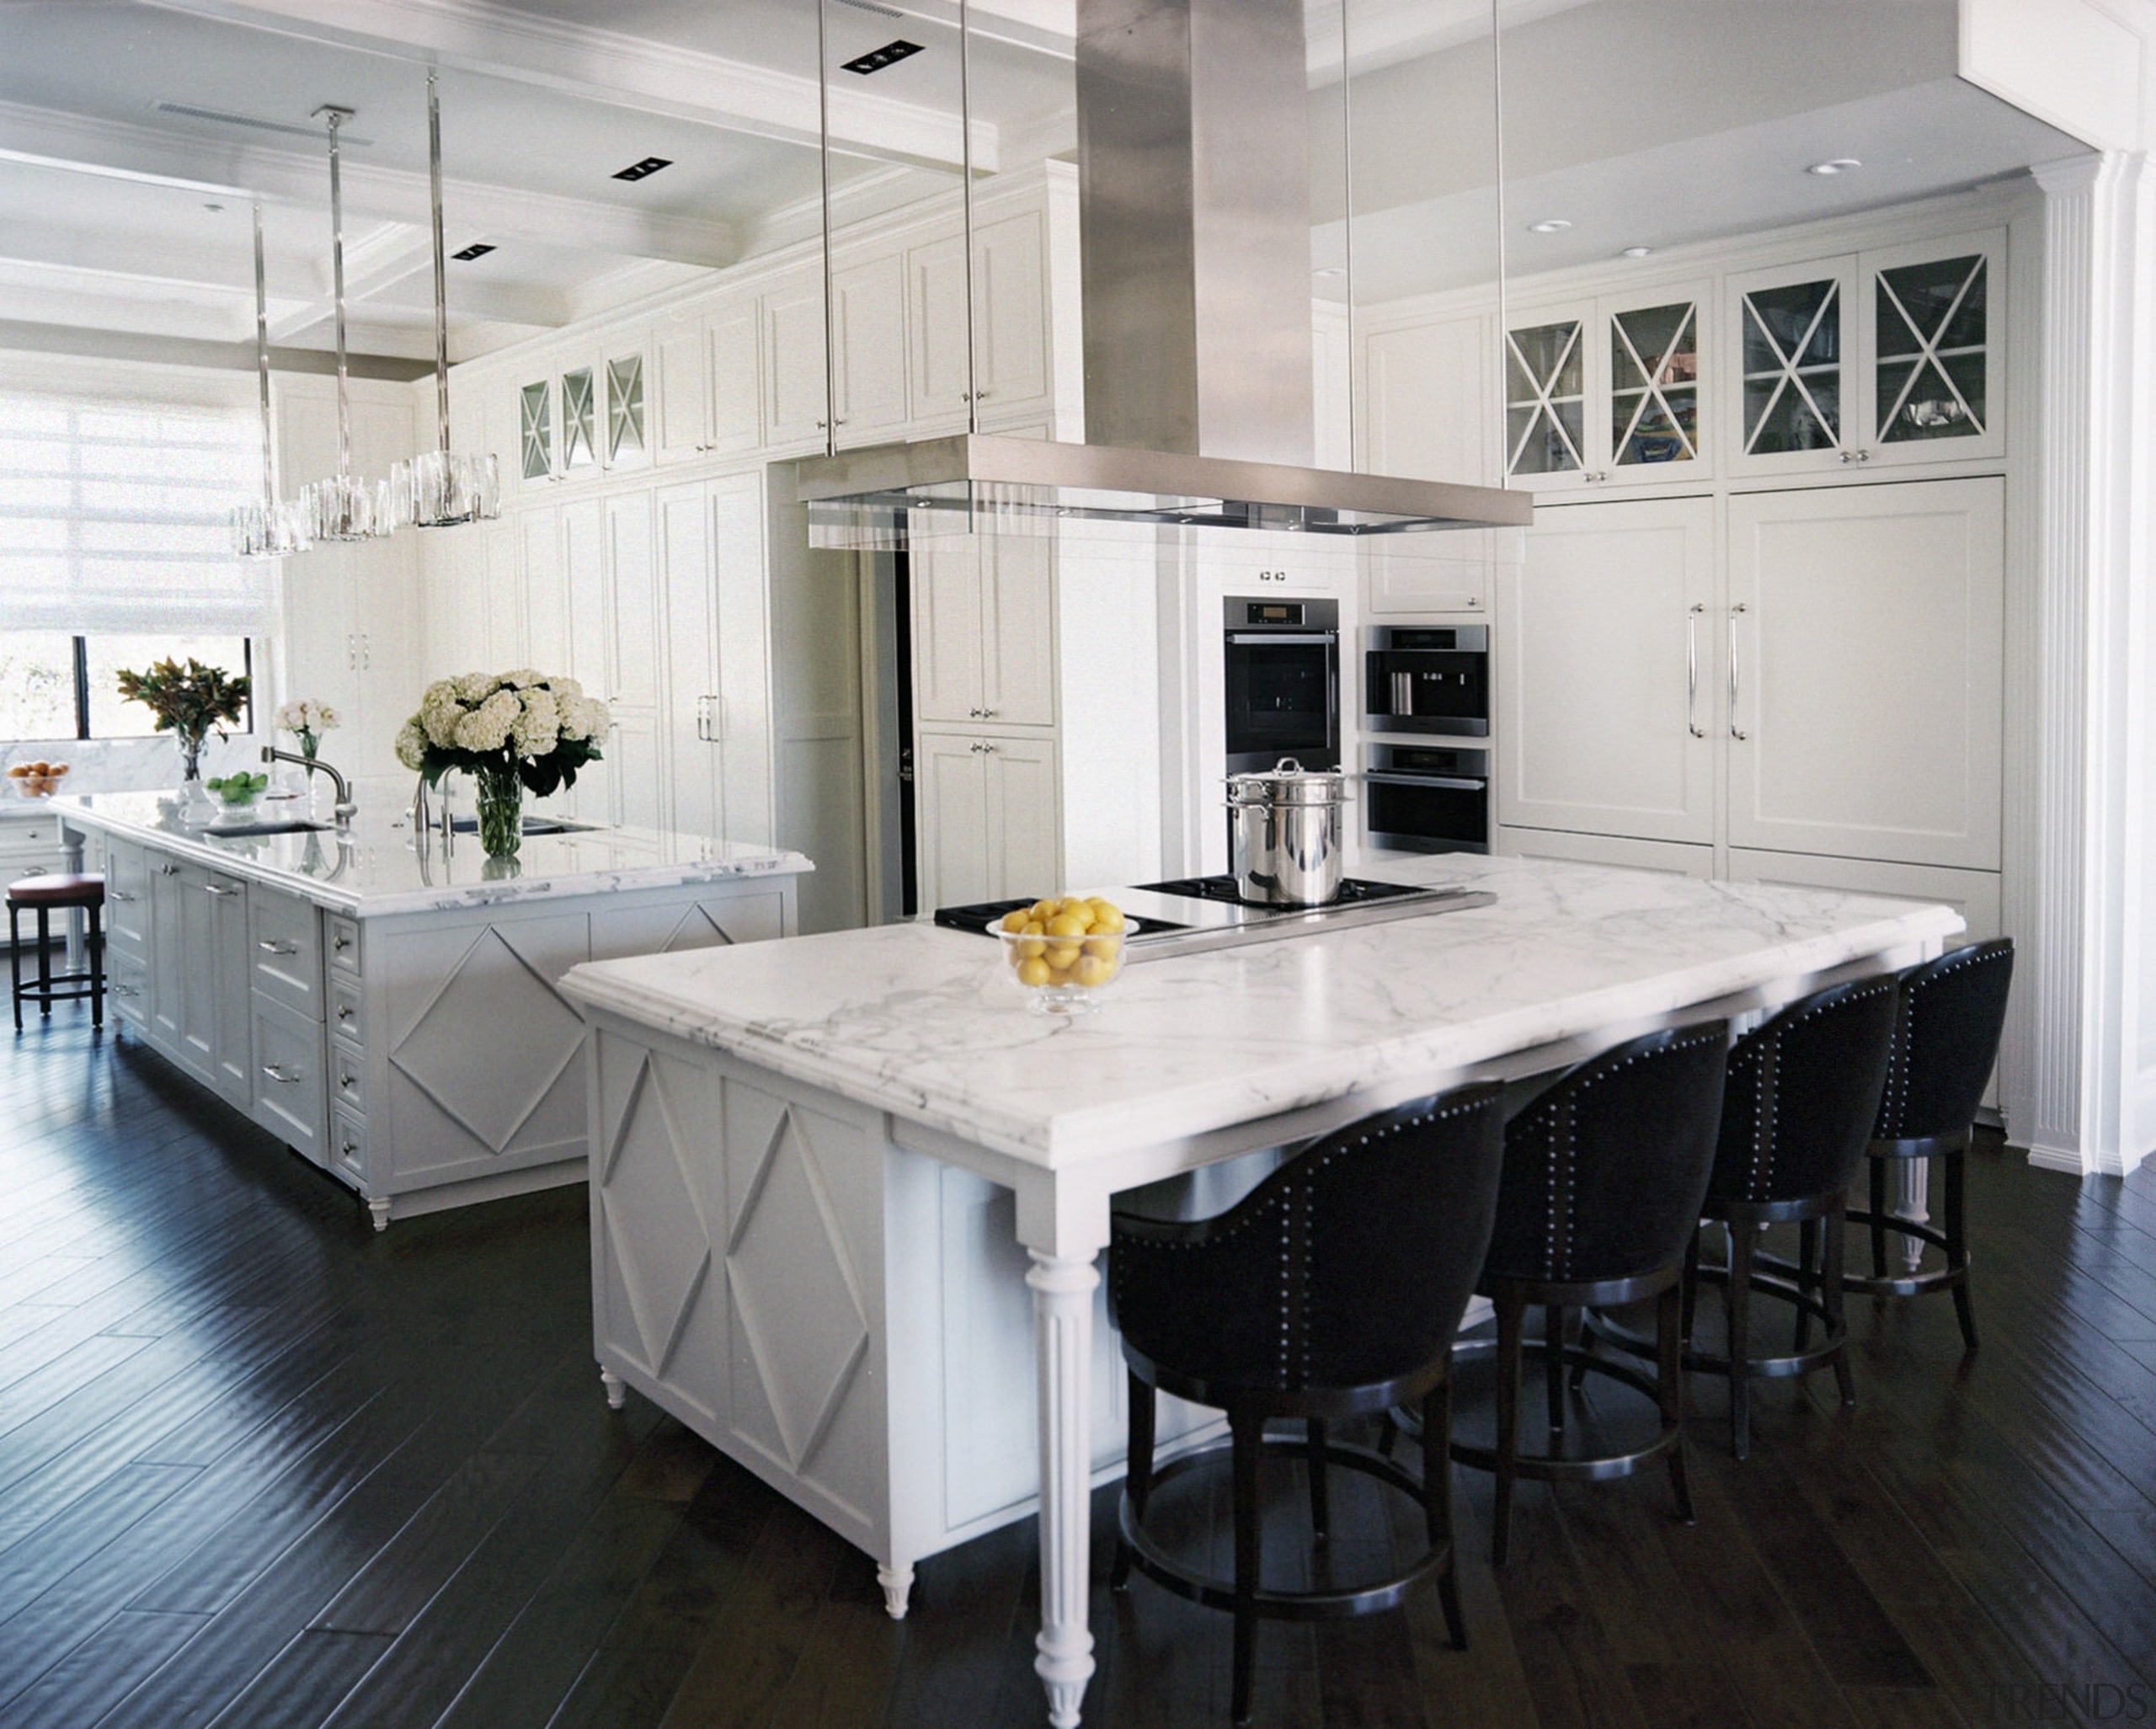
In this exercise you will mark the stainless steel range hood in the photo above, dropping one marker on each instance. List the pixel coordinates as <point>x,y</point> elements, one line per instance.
<point>1194,234</point>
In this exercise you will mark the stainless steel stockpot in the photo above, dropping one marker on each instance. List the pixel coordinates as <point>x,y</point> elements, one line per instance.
<point>1287,834</point>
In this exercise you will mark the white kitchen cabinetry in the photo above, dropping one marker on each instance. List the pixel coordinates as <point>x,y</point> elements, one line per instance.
<point>708,379</point>
<point>1605,660</point>
<point>984,631</point>
<point>794,399</point>
<point>1608,391</point>
<point>1864,701</point>
<point>1428,390</point>
<point>1010,371</point>
<point>868,331</point>
<point>1676,858</point>
<point>1842,679</point>
<point>1891,355</point>
<point>718,737</point>
<point>989,817</point>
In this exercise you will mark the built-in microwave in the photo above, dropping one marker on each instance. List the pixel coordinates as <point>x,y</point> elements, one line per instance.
<point>1425,797</point>
<point>1428,679</point>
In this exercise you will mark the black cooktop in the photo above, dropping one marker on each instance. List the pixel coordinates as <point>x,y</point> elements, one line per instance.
<point>1354,891</point>
<point>982,916</point>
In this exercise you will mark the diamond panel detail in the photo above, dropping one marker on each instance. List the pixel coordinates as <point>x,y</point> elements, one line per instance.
<point>493,1042</point>
<point>697,929</point>
<point>793,1293</point>
<point>662,1260</point>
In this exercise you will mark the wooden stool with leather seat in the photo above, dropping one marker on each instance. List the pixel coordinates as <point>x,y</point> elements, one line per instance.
<point>1947,1028</point>
<point>1332,1291</point>
<point>64,892</point>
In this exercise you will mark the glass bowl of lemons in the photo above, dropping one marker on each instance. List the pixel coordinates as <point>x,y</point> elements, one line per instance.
<point>1063,953</point>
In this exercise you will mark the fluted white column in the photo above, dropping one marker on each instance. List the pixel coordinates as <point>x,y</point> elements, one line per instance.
<point>1063,1289</point>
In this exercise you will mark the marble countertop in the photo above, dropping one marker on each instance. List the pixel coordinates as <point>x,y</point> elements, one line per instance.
<point>378,868</point>
<point>926,1022</point>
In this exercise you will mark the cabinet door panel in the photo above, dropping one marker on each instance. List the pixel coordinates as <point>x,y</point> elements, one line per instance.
<point>291,1099</point>
<point>232,971</point>
<point>1017,652</point>
<point>1674,858</point>
<point>793,371</point>
<point>1656,361</point>
<point>731,356</point>
<point>1605,673</point>
<point>1932,317</point>
<point>196,986</point>
<point>633,603</point>
<point>947,630</point>
<point>1011,311</point>
<point>1409,372</point>
<point>1791,401</point>
<point>638,759</point>
<point>167,958</point>
<point>743,719</point>
<point>684,417</point>
<point>955,866</point>
<point>1025,854</point>
<point>1869,675</point>
<point>936,308</point>
<point>868,307</point>
<point>687,578</point>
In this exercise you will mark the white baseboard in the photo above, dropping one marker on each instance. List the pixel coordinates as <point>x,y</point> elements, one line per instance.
<point>2057,1158</point>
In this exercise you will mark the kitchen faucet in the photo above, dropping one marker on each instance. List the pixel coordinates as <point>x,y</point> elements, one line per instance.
<point>346,807</point>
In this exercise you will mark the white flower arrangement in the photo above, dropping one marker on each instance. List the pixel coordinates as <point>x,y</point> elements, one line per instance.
<point>540,728</point>
<point>307,715</point>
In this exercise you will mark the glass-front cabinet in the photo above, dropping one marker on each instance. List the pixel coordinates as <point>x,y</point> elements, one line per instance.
<point>625,444</point>
<point>535,419</point>
<point>1888,356</point>
<point>582,419</point>
<point>1606,392</point>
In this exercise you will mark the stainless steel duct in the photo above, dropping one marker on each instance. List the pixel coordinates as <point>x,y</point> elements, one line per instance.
<point>1194,229</point>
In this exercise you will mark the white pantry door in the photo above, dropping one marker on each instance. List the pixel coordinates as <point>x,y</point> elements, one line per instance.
<point>1606,664</point>
<point>1868,624</point>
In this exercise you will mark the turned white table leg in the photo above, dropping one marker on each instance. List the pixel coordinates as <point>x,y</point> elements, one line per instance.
<point>617,1390</point>
<point>1063,1332</point>
<point>897,1584</point>
<point>378,1205</point>
<point>1914,1191</point>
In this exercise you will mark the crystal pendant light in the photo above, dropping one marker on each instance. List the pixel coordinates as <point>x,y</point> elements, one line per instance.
<point>342,508</point>
<point>270,529</point>
<point>439,489</point>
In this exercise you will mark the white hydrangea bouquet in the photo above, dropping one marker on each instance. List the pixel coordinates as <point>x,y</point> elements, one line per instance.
<point>510,732</point>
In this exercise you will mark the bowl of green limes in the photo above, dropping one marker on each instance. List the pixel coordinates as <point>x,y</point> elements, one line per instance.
<point>237,792</point>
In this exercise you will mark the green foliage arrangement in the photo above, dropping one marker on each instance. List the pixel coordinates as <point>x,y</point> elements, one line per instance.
<point>188,699</point>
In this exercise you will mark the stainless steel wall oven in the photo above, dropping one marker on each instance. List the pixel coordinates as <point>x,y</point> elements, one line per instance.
<point>1426,797</point>
<point>1283,677</point>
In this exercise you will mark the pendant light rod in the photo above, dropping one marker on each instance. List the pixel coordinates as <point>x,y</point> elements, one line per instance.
<point>824,166</point>
<point>966,205</point>
<point>336,117</point>
<point>262,362</point>
<point>441,267</point>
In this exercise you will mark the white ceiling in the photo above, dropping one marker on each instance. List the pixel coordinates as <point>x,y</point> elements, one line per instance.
<point>1643,121</point>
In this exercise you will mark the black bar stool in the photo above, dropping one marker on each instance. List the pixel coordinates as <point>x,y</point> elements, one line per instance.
<point>1605,1173</point>
<point>65,892</point>
<point>1332,1290</point>
<point>1796,1117</point>
<point>1947,1028</point>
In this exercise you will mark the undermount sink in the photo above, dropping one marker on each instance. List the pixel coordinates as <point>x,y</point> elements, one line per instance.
<point>532,826</point>
<point>268,825</point>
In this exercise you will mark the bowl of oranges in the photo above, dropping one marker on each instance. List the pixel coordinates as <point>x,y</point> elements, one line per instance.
<point>1063,953</point>
<point>36,779</point>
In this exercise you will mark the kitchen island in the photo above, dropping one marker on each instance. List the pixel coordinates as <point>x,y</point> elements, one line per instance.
<point>824,1169</point>
<point>385,1002</point>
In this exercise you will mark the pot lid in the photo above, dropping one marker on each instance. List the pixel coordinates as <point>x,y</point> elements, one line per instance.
<point>1288,782</point>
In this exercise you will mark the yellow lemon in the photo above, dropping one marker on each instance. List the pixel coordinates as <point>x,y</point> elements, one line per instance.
<point>1035,927</point>
<point>1030,947</point>
<point>1034,972</point>
<point>1105,948</point>
<point>1108,922</point>
<point>1014,921</point>
<point>1062,956</point>
<point>1093,970</point>
<point>1069,923</point>
<point>1043,910</point>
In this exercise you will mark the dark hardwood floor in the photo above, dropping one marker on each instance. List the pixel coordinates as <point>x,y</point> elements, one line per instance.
<point>263,1469</point>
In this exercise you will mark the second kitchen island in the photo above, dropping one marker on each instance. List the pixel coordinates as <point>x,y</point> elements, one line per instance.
<point>848,1197</point>
<point>387,1004</point>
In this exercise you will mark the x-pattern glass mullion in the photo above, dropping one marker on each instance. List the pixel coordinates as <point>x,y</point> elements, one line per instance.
<point>1790,364</point>
<point>1926,360</point>
<point>1657,377</point>
<point>1543,398</point>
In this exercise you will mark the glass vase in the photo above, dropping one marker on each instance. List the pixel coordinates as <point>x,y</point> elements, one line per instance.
<point>195,803</point>
<point>501,812</point>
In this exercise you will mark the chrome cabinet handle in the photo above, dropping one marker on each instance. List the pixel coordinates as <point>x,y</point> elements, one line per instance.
<point>168,869</point>
<point>348,1148</point>
<point>343,1012</point>
<point>987,750</point>
<point>221,889</point>
<point>1692,670</point>
<point>121,895</point>
<point>340,943</point>
<point>127,990</point>
<point>1734,730</point>
<point>282,1073</point>
<point>273,945</point>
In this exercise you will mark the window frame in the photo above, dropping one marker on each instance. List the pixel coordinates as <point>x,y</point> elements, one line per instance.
<point>79,654</point>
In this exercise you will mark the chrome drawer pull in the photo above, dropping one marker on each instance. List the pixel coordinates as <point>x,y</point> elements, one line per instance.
<point>340,943</point>
<point>277,945</point>
<point>281,1072</point>
<point>167,870</point>
<point>343,1012</point>
<point>221,888</point>
<point>121,895</point>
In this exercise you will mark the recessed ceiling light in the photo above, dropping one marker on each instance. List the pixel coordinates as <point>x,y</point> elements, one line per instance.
<point>878,58</point>
<point>1548,225</point>
<point>643,170</point>
<point>1834,165</point>
<point>1638,252</point>
<point>477,250</point>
